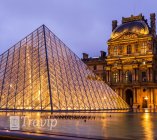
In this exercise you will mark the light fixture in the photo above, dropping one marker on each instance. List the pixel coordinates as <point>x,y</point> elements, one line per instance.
<point>146,98</point>
<point>144,62</point>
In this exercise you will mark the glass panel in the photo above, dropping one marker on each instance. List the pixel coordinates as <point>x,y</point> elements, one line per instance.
<point>41,72</point>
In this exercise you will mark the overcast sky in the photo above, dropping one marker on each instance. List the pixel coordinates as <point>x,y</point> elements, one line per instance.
<point>83,25</point>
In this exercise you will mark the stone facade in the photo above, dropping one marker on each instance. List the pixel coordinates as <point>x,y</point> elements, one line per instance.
<point>97,64</point>
<point>130,67</point>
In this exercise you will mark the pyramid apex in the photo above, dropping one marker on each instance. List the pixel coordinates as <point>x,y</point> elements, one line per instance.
<point>44,25</point>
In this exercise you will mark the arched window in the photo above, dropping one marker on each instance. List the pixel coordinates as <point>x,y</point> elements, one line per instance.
<point>129,49</point>
<point>144,76</point>
<point>115,51</point>
<point>128,76</point>
<point>115,77</point>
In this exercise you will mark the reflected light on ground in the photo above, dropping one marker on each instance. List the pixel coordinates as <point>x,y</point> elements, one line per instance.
<point>147,126</point>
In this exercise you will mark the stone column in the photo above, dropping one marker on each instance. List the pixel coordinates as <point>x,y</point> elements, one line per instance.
<point>134,95</point>
<point>133,75</point>
<point>155,104</point>
<point>137,75</point>
<point>151,75</point>
<point>151,104</point>
<point>119,76</point>
<point>121,93</point>
<point>135,105</point>
<point>109,76</point>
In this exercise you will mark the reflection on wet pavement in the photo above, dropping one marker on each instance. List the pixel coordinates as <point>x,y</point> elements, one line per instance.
<point>122,125</point>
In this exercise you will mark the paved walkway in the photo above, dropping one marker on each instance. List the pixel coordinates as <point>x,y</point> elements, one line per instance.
<point>16,135</point>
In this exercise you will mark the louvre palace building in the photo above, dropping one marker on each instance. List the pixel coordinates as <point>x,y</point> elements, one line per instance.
<point>130,67</point>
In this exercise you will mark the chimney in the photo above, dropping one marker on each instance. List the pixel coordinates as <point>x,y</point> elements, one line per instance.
<point>114,24</point>
<point>103,54</point>
<point>85,56</point>
<point>153,24</point>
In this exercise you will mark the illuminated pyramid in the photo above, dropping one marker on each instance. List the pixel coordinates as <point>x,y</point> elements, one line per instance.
<point>41,73</point>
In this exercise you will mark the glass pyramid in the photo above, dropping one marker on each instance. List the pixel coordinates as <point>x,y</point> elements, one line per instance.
<point>41,73</point>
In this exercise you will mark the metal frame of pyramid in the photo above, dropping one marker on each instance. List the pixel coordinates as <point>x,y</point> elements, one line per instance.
<point>41,73</point>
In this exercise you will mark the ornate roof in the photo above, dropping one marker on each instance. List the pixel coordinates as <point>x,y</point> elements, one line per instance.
<point>138,27</point>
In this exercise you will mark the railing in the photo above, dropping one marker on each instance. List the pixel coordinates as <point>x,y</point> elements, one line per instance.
<point>131,82</point>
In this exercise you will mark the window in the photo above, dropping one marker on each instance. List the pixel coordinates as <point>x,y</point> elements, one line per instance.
<point>115,51</point>
<point>115,77</point>
<point>94,67</point>
<point>144,76</point>
<point>128,76</point>
<point>144,48</point>
<point>136,48</point>
<point>103,77</point>
<point>129,49</point>
<point>121,50</point>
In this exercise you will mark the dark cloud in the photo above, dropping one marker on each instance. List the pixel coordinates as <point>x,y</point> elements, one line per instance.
<point>84,25</point>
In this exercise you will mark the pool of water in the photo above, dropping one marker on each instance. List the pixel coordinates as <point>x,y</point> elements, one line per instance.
<point>102,125</point>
